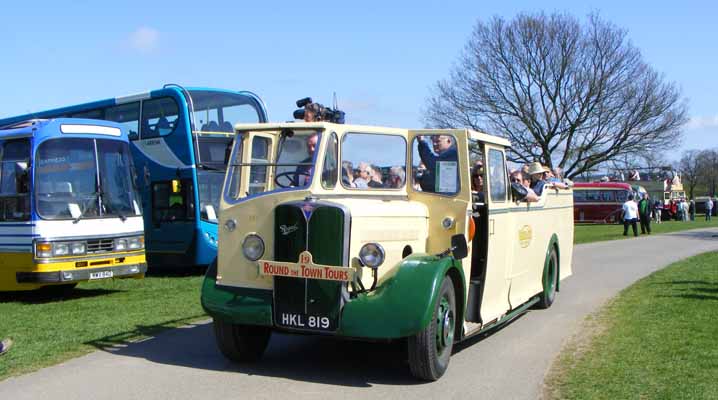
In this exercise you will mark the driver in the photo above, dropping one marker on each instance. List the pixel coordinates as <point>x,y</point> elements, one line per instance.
<point>304,172</point>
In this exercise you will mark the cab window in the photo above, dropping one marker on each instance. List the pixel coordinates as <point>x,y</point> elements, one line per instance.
<point>14,180</point>
<point>329,170</point>
<point>435,165</point>
<point>258,173</point>
<point>373,161</point>
<point>497,175</point>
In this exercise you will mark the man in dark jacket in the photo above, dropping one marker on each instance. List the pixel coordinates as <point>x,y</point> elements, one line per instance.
<point>444,151</point>
<point>645,210</point>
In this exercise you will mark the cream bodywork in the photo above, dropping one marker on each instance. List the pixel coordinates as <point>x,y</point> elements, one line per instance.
<point>518,237</point>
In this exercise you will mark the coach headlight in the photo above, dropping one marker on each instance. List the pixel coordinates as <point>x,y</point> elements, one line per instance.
<point>253,247</point>
<point>372,255</point>
<point>136,243</point>
<point>43,250</point>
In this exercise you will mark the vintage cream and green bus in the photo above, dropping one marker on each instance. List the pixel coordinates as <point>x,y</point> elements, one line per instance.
<point>69,209</point>
<point>367,233</point>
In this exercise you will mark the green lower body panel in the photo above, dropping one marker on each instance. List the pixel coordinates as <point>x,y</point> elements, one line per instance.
<point>240,306</point>
<point>401,306</point>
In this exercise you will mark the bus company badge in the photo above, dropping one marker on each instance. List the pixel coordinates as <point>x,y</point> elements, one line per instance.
<point>525,236</point>
<point>305,268</point>
<point>287,229</point>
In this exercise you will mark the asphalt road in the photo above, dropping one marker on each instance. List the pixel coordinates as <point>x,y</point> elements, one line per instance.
<point>509,364</point>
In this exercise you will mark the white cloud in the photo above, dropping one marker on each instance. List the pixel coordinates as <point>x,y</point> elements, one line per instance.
<point>703,122</point>
<point>144,39</point>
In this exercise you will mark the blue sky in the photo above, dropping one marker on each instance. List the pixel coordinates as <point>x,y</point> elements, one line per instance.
<point>380,57</point>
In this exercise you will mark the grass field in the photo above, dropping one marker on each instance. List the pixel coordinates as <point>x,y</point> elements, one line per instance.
<point>48,330</point>
<point>587,233</point>
<point>658,339</point>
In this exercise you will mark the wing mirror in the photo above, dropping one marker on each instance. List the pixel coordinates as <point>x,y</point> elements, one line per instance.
<point>459,247</point>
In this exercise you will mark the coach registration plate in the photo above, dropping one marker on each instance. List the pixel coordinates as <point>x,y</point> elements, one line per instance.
<point>101,275</point>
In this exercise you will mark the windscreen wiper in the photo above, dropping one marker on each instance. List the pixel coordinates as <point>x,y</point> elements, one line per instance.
<point>210,168</point>
<point>85,207</point>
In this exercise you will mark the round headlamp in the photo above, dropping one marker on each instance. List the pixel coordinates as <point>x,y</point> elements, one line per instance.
<point>253,247</point>
<point>372,255</point>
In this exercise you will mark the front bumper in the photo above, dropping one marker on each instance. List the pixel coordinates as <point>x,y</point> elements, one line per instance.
<point>79,275</point>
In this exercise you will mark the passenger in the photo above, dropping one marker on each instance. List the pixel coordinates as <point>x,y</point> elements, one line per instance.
<point>375,178</point>
<point>537,173</point>
<point>363,177</point>
<point>554,178</point>
<point>520,188</point>
<point>397,175</point>
<point>419,176</point>
<point>477,182</point>
<point>347,174</point>
<point>303,173</point>
<point>444,150</point>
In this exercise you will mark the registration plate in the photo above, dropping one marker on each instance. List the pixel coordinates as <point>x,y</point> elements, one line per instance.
<point>101,275</point>
<point>303,321</point>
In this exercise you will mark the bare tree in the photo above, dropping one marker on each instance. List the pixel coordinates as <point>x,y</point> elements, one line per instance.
<point>567,94</point>
<point>708,169</point>
<point>691,169</point>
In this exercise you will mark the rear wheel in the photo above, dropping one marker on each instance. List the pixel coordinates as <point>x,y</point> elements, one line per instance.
<point>241,343</point>
<point>430,349</point>
<point>550,280</point>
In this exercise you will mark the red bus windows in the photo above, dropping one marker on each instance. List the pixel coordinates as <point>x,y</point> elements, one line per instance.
<point>621,196</point>
<point>608,196</point>
<point>579,196</point>
<point>593,196</point>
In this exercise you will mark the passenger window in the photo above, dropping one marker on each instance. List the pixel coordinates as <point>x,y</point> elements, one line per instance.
<point>373,161</point>
<point>329,171</point>
<point>579,196</point>
<point>607,195</point>
<point>258,173</point>
<point>15,180</point>
<point>159,117</point>
<point>127,115</point>
<point>593,196</point>
<point>621,196</point>
<point>92,114</point>
<point>172,201</point>
<point>241,113</point>
<point>497,175</point>
<point>435,165</point>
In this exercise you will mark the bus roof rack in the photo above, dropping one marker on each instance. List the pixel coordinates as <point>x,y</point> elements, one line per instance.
<point>23,124</point>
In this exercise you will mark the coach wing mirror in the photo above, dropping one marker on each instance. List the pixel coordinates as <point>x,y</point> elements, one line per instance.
<point>459,247</point>
<point>133,135</point>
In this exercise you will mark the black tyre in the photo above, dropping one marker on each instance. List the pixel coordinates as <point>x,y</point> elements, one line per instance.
<point>430,350</point>
<point>241,343</point>
<point>549,280</point>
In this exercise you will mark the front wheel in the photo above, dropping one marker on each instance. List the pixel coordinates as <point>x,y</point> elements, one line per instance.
<point>241,343</point>
<point>430,349</point>
<point>549,280</point>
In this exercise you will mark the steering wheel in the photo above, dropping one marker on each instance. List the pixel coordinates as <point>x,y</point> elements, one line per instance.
<point>290,175</point>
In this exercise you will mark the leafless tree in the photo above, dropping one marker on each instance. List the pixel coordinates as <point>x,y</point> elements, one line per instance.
<point>566,93</point>
<point>708,169</point>
<point>690,167</point>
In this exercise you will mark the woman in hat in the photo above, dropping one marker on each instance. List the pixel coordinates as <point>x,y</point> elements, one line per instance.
<point>537,171</point>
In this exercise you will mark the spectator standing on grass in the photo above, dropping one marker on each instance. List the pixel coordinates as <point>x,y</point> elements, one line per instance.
<point>692,210</point>
<point>684,203</point>
<point>644,213</point>
<point>630,215</point>
<point>657,210</point>
<point>5,345</point>
<point>709,209</point>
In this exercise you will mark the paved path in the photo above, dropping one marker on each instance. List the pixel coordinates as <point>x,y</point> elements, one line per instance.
<point>510,364</point>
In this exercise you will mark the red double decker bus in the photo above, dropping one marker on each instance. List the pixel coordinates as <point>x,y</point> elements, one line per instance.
<point>599,202</point>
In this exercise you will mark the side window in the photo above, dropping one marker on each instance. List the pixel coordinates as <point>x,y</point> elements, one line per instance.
<point>497,175</point>
<point>329,171</point>
<point>128,115</point>
<point>607,196</point>
<point>172,201</point>
<point>241,113</point>
<point>435,166</point>
<point>91,114</point>
<point>579,196</point>
<point>159,117</point>
<point>15,180</point>
<point>593,196</point>
<point>258,173</point>
<point>373,161</point>
<point>621,196</point>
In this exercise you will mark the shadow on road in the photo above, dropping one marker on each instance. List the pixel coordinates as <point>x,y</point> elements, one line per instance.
<point>709,234</point>
<point>303,358</point>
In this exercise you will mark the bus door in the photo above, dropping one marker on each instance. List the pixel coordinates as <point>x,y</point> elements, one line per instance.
<point>496,280</point>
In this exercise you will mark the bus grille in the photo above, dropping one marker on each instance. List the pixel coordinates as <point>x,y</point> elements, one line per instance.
<point>100,246</point>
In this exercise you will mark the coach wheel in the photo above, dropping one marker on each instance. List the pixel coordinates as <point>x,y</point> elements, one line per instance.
<point>430,349</point>
<point>550,280</point>
<point>241,343</point>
